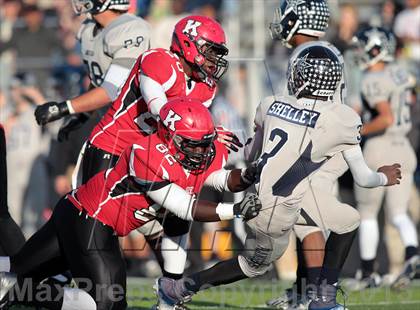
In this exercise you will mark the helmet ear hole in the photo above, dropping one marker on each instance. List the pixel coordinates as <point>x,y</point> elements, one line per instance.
<point>187,44</point>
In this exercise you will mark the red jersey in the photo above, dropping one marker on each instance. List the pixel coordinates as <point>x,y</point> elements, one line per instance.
<point>128,118</point>
<point>117,198</point>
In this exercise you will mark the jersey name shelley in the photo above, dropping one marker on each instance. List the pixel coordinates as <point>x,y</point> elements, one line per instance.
<point>288,113</point>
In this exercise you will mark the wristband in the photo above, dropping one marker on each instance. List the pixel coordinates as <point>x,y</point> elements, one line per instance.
<point>225,211</point>
<point>70,107</point>
<point>384,179</point>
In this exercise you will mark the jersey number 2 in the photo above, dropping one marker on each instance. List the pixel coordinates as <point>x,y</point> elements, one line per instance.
<point>283,139</point>
<point>300,169</point>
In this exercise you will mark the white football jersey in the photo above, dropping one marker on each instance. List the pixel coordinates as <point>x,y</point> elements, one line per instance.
<point>120,43</point>
<point>391,85</point>
<point>298,137</point>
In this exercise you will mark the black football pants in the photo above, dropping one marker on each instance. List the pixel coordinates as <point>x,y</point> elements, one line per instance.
<point>96,160</point>
<point>72,241</point>
<point>11,237</point>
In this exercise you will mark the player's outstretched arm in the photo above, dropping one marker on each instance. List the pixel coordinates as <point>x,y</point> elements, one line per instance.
<point>236,180</point>
<point>91,100</point>
<point>175,199</point>
<point>366,177</point>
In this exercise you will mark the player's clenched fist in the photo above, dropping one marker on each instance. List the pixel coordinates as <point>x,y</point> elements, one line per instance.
<point>393,173</point>
<point>248,208</point>
<point>51,111</point>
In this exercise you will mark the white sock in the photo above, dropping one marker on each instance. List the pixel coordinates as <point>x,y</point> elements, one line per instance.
<point>4,264</point>
<point>406,229</point>
<point>368,238</point>
<point>174,253</point>
<point>77,299</point>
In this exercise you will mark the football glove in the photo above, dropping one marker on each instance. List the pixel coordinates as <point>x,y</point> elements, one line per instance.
<point>51,111</point>
<point>228,138</point>
<point>71,123</point>
<point>248,208</point>
<point>249,174</point>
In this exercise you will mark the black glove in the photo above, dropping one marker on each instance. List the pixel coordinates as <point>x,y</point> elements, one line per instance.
<point>249,175</point>
<point>71,123</point>
<point>229,139</point>
<point>248,208</point>
<point>51,111</point>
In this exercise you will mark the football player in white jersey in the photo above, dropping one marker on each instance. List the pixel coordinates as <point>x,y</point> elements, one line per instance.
<point>111,41</point>
<point>296,24</point>
<point>386,91</point>
<point>295,135</point>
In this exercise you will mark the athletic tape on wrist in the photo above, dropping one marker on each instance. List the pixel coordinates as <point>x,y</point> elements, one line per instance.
<point>225,211</point>
<point>70,107</point>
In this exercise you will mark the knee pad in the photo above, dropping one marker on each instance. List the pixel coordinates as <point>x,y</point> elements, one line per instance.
<point>174,226</point>
<point>260,251</point>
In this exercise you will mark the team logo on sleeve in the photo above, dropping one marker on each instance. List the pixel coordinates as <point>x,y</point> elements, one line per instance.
<point>170,120</point>
<point>191,27</point>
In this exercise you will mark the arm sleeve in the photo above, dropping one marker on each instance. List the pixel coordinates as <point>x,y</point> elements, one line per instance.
<point>153,94</point>
<point>362,174</point>
<point>218,180</point>
<point>175,199</point>
<point>114,79</point>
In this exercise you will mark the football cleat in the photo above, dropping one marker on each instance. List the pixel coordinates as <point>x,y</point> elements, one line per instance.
<point>372,281</point>
<point>7,281</point>
<point>167,297</point>
<point>283,301</point>
<point>291,301</point>
<point>411,267</point>
<point>326,298</point>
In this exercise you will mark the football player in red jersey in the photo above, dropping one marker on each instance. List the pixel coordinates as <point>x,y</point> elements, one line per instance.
<point>164,170</point>
<point>191,68</point>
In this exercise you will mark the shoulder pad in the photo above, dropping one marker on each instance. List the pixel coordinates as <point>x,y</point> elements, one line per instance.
<point>148,163</point>
<point>128,28</point>
<point>86,25</point>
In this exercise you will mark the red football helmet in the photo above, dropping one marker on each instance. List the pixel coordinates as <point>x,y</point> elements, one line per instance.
<point>201,41</point>
<point>187,128</point>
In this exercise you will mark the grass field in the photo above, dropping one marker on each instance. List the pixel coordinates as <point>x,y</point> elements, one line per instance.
<point>253,294</point>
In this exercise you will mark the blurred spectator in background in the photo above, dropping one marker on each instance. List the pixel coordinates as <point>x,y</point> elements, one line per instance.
<point>143,7</point>
<point>390,8</point>
<point>407,28</point>
<point>347,26</point>
<point>26,149</point>
<point>34,44</point>
<point>162,29</point>
<point>9,14</point>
